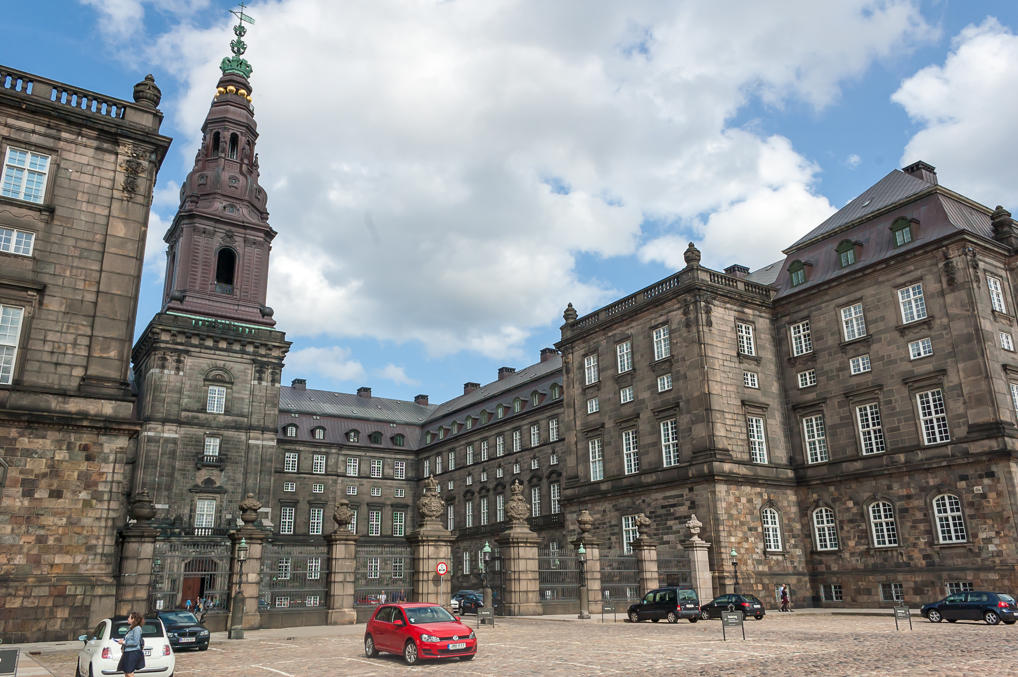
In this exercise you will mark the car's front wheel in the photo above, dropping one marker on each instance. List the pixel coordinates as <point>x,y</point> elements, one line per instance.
<point>672,617</point>
<point>705,615</point>
<point>759,617</point>
<point>369,647</point>
<point>634,617</point>
<point>934,616</point>
<point>410,654</point>
<point>991,618</point>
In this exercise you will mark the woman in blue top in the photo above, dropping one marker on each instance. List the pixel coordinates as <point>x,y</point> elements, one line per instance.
<point>133,657</point>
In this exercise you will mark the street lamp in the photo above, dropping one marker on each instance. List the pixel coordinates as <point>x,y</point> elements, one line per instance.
<point>485,590</point>
<point>237,626</point>
<point>581,559</point>
<point>735,565</point>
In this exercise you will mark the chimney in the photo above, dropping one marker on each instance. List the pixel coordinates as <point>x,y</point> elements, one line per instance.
<point>923,171</point>
<point>1003,227</point>
<point>470,387</point>
<point>505,371</point>
<point>364,391</point>
<point>299,384</point>
<point>548,353</point>
<point>421,400</point>
<point>737,270</point>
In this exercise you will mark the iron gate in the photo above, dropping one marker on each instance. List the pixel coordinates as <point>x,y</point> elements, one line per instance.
<point>190,569</point>
<point>558,575</point>
<point>620,577</point>
<point>673,568</point>
<point>384,573</point>
<point>294,576</point>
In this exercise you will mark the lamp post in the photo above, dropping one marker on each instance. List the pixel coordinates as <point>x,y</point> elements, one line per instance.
<point>581,559</point>
<point>485,590</point>
<point>735,566</point>
<point>237,624</point>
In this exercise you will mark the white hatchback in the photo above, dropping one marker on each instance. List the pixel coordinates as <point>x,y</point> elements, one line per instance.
<point>101,651</point>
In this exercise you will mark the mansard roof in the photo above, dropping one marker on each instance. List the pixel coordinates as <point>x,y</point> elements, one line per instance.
<point>349,405</point>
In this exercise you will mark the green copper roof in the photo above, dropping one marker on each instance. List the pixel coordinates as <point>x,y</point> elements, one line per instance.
<point>237,63</point>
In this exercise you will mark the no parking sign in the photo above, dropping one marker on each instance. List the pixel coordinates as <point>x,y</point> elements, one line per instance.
<point>442,569</point>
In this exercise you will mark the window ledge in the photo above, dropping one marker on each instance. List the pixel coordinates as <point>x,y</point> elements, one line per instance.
<point>962,544</point>
<point>1006,318</point>
<point>743,357</point>
<point>844,345</point>
<point>44,207</point>
<point>925,322</point>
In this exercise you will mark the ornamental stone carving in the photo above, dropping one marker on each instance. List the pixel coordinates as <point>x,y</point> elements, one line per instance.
<point>142,508</point>
<point>642,523</point>
<point>585,521</point>
<point>249,508</point>
<point>430,504</point>
<point>694,526</point>
<point>691,256</point>
<point>342,515</point>
<point>570,313</point>
<point>517,509</point>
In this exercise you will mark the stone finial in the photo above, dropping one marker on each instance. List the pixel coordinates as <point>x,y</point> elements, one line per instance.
<point>142,509</point>
<point>1000,219</point>
<point>249,508</point>
<point>584,521</point>
<point>430,504</point>
<point>146,93</point>
<point>517,508</point>
<point>570,314</point>
<point>342,515</point>
<point>643,524</point>
<point>694,526</point>
<point>691,256</point>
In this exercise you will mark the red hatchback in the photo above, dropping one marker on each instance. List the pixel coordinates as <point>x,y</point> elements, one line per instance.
<point>418,631</point>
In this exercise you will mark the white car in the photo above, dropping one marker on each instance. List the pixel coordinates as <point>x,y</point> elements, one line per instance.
<point>101,651</point>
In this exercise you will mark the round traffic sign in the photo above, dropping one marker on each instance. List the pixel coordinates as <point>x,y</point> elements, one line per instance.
<point>442,569</point>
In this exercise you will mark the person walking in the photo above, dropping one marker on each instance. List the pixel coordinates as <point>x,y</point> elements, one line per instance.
<point>785,603</point>
<point>132,644</point>
<point>381,597</point>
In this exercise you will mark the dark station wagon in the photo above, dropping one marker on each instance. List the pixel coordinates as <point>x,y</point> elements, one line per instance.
<point>990,607</point>
<point>670,603</point>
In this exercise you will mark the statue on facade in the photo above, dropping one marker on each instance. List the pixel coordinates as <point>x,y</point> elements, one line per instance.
<point>430,504</point>
<point>342,515</point>
<point>517,508</point>
<point>249,508</point>
<point>694,526</point>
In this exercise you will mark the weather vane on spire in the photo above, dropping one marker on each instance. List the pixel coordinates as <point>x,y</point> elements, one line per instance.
<point>237,63</point>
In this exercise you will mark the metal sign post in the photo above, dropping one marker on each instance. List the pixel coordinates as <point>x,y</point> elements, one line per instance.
<point>902,612</point>
<point>442,569</point>
<point>732,619</point>
<point>9,661</point>
<point>608,608</point>
<point>485,616</point>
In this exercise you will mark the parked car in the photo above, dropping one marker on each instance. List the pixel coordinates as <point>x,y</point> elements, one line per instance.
<point>670,603</point>
<point>184,630</point>
<point>418,631</point>
<point>991,607</point>
<point>101,652</point>
<point>749,605</point>
<point>469,601</point>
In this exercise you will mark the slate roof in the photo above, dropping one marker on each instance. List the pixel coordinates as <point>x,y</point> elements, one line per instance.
<point>767,274</point>
<point>348,405</point>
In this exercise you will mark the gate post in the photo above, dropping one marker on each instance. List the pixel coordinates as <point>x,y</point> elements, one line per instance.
<point>593,566</point>
<point>246,574</point>
<point>136,557</point>
<point>342,567</point>
<point>699,562</point>
<point>518,545</point>
<point>432,543</point>
<point>645,549</point>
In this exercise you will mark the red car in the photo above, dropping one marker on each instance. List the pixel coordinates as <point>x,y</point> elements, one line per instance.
<point>418,631</point>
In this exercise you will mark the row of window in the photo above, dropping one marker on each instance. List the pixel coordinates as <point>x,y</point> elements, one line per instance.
<point>535,464</point>
<point>470,458</point>
<point>626,394</point>
<point>318,433</point>
<point>662,346</point>
<point>287,516</point>
<point>518,405</point>
<point>483,514</point>
<point>291,463</point>
<point>847,251</point>
<point>889,592</point>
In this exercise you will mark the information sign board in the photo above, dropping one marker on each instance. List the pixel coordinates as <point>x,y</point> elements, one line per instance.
<point>902,613</point>
<point>9,661</point>
<point>732,619</point>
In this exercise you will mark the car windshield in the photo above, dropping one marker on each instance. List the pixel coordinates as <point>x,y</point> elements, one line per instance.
<point>420,615</point>
<point>148,629</point>
<point>1007,598</point>
<point>178,617</point>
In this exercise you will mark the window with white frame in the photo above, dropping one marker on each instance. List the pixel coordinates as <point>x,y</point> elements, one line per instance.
<point>853,323</point>
<point>1014,395</point>
<point>452,460</point>
<point>630,533</point>
<point>284,568</point>
<point>450,517</point>
<point>807,378</point>
<point>882,525</point>
<point>469,454</point>
<point>553,430</point>
<point>534,463</point>
<point>484,510</point>
<point>535,398</point>
<point>590,374</point>
<point>499,445</point>
<point>1006,341</point>
<point>516,467</point>
<point>535,434</point>
<point>376,467</point>
<point>311,601</point>
<point>469,480</point>
<point>318,488</point>
<point>825,529</point>
<point>374,522</point>
<point>318,464</point>
<point>10,336</point>
<point>996,290</point>
<point>352,526</point>
<point>535,501</point>
<point>426,467</point>
<point>399,493</point>
<point>871,434</point>
<point>398,567</point>
<point>468,515</point>
<point>624,355</point>
<point>891,592</point>
<point>212,445</point>
<point>353,466</point>
<point>555,493</point>
<point>744,335</point>
<point>517,440</point>
<point>469,422</point>
<point>315,521</point>
<point>596,459</point>
<point>662,343</point>
<point>314,568</point>
<point>626,395</point>
<point>757,439</point>
<point>290,461</point>
<point>664,383</point>
<point>204,515</point>
<point>517,405</point>
<point>771,529</point>
<point>555,390</point>
<point>912,302</point>
<point>282,602</point>
<point>553,458</point>
<point>374,567</point>
<point>13,241</point>
<point>500,507</point>
<point>593,406</point>
<point>289,486</point>
<point>859,365</point>
<point>466,563</point>
<point>921,348</point>
<point>950,522</point>
<point>398,523</point>
<point>216,401</point>
<point>399,470</point>
<point>484,475</point>
<point>933,417</point>
<point>815,436</point>
<point>630,452</point>
<point>355,436</point>
<point>955,587</point>
<point>802,338</point>
<point>669,443</point>
<point>450,485</point>
<point>319,433</point>
<point>290,431</point>
<point>376,491</point>
<point>484,450</point>
<point>286,519</point>
<point>750,379</point>
<point>498,472</point>
<point>24,175</point>
<point>351,490</point>
<point>832,592</point>
<point>438,464</point>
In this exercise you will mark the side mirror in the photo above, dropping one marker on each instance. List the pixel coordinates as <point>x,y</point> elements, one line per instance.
<point>83,638</point>
<point>397,622</point>
<point>457,618</point>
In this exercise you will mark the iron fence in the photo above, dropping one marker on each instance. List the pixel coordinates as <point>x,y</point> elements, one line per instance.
<point>620,577</point>
<point>294,576</point>
<point>383,573</point>
<point>673,568</point>
<point>558,575</point>
<point>190,569</point>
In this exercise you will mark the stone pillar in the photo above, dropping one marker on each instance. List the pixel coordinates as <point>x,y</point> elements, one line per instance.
<point>518,545</point>
<point>593,548</point>
<point>645,549</point>
<point>432,543</point>
<point>699,562</point>
<point>342,567</point>
<point>136,557</point>
<point>245,578</point>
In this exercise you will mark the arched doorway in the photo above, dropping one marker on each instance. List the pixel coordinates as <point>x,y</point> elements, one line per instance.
<point>199,582</point>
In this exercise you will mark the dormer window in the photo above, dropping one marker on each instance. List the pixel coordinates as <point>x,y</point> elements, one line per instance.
<point>556,392</point>
<point>797,273</point>
<point>398,440</point>
<point>484,417</point>
<point>353,436</point>
<point>469,423</point>
<point>375,438</point>
<point>846,253</point>
<point>500,411</point>
<point>517,405</point>
<point>319,433</point>
<point>234,144</point>
<point>290,430</point>
<point>535,398</point>
<point>441,433</point>
<point>902,230</point>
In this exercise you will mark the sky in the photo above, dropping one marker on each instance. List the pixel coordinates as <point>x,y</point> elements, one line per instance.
<point>446,175</point>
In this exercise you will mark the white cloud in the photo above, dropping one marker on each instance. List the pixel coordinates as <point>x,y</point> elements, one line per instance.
<point>331,364</point>
<point>397,374</point>
<point>125,18</point>
<point>410,148</point>
<point>965,109</point>
<point>853,161</point>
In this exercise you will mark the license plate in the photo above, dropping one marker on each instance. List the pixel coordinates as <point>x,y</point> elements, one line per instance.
<point>756,606</point>
<point>148,652</point>
<point>184,640</point>
<point>690,606</point>
<point>459,645</point>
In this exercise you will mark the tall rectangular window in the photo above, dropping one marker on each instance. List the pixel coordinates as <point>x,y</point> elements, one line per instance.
<point>662,343</point>
<point>315,521</point>
<point>399,470</point>
<point>626,395</point>
<point>352,526</point>
<point>290,461</point>
<point>802,339</point>
<point>286,519</point>
<point>18,242</point>
<point>284,568</point>
<point>499,445</point>
<point>470,454</point>
<point>669,443</point>
<point>376,467</point>
<point>871,434</point>
<point>859,365</point>
<point>398,567</point>
<point>468,514</point>
<point>630,533</point>
<point>624,355</point>
<point>484,450</point>
<point>353,467</point>
<point>590,374</point>
<point>374,523</point>
<point>204,516</point>
<point>438,464</point>
<point>744,334</point>
<point>314,568</point>
<point>1014,396</point>
<point>535,501</point>
<point>815,436</point>
<point>24,175</point>
<point>630,452</point>
<point>466,563</point>
<point>853,324</point>
<point>593,405</point>
<point>318,464</point>
<point>750,379</point>
<point>664,382</point>
<point>933,417</point>
<point>450,517</point>
<point>553,430</point>
<point>596,460</point>
<point>912,302</point>
<point>517,440</point>
<point>452,460</point>
<point>757,439</point>
<point>1006,342</point>
<point>216,402</point>
<point>10,336</point>
<point>555,491</point>
<point>996,290</point>
<point>484,510</point>
<point>426,468</point>
<point>211,445</point>
<point>398,523</point>
<point>374,567</point>
<point>499,507</point>
<point>535,434</point>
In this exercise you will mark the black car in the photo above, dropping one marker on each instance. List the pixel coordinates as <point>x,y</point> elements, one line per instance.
<point>670,603</point>
<point>991,607</point>
<point>471,600</point>
<point>184,630</point>
<point>749,605</point>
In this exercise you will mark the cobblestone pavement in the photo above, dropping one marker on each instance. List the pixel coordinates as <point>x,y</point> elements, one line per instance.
<point>778,645</point>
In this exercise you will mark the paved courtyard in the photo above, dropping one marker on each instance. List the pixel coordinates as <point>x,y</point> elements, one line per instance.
<point>781,644</point>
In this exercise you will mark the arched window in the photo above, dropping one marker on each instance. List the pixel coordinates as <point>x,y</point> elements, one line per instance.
<point>797,273</point>
<point>882,525</point>
<point>234,144</point>
<point>214,151</point>
<point>319,433</point>
<point>290,430</point>
<point>353,436</point>
<point>398,440</point>
<point>846,253</point>
<point>555,391</point>
<point>825,529</point>
<point>375,438</point>
<point>226,266</point>
<point>771,529</point>
<point>950,522</point>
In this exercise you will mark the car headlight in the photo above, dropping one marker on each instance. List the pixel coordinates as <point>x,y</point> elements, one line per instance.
<point>429,638</point>
<point>471,635</point>
<point>203,633</point>
<point>171,635</point>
